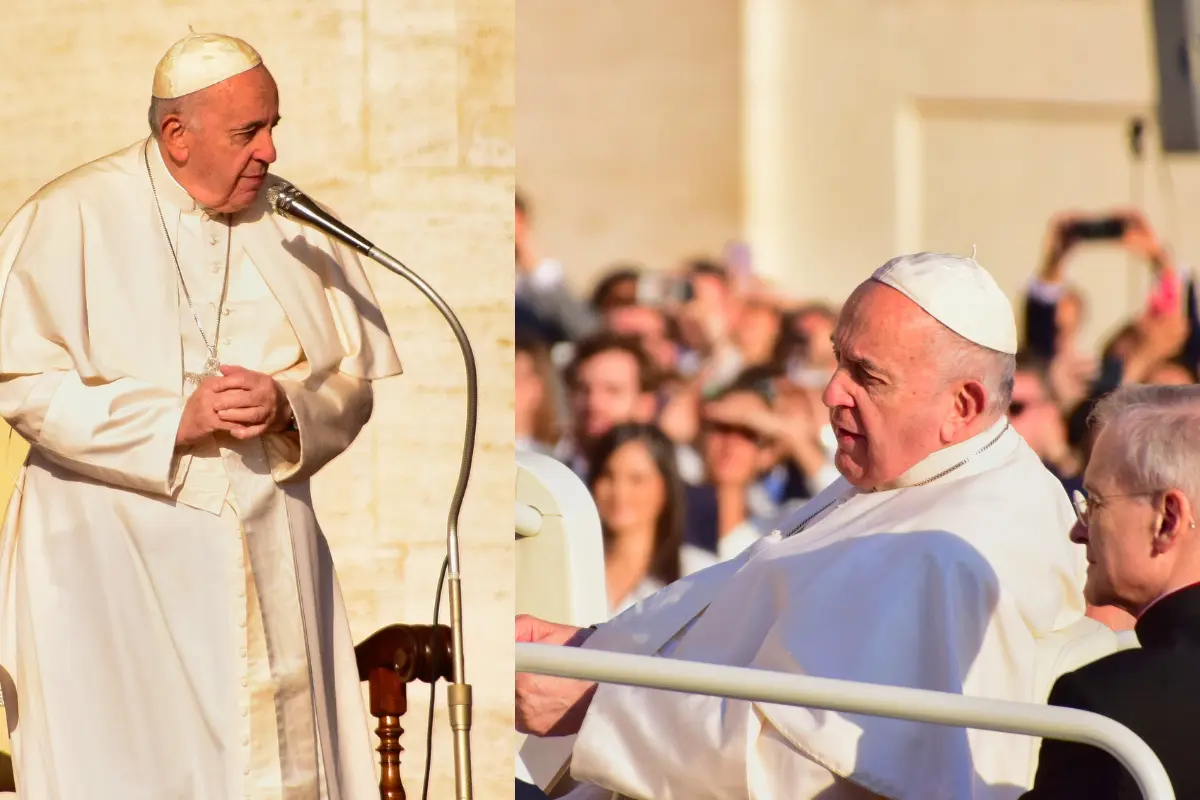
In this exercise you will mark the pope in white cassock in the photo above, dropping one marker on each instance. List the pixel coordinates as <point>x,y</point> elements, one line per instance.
<point>181,362</point>
<point>937,561</point>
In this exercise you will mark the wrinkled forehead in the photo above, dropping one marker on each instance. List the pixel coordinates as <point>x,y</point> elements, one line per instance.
<point>876,316</point>
<point>252,94</point>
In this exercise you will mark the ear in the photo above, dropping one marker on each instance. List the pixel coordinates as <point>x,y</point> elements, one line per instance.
<point>970,402</point>
<point>174,139</point>
<point>1176,520</point>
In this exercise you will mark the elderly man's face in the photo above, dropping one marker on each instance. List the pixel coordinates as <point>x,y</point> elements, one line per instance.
<point>228,148</point>
<point>1124,568</point>
<point>887,402</point>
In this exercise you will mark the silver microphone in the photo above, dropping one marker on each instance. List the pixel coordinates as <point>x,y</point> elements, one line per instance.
<point>288,201</point>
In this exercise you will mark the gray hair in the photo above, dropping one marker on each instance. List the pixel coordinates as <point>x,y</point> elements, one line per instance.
<point>161,109</point>
<point>959,359</point>
<point>1158,428</point>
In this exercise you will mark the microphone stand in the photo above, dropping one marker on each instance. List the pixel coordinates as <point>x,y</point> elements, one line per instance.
<point>291,202</point>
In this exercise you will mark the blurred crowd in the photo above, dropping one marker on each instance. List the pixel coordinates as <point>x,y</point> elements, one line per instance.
<point>690,401</point>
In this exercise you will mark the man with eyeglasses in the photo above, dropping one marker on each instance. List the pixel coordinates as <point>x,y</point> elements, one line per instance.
<point>1137,519</point>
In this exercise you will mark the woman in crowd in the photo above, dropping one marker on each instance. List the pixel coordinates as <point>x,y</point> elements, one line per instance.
<point>639,496</point>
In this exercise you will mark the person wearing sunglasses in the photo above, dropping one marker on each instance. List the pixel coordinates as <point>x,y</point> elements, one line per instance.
<point>1035,415</point>
<point>1137,519</point>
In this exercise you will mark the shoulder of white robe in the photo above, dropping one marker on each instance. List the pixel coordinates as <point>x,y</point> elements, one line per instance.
<point>371,352</point>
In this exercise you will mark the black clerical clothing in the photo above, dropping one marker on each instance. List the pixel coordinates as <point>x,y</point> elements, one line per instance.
<point>1153,690</point>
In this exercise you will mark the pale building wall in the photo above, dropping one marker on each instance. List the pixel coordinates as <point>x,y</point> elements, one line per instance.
<point>879,128</point>
<point>842,133</point>
<point>629,129</point>
<point>399,114</point>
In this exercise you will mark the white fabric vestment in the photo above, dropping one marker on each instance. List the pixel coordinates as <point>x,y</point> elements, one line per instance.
<point>691,559</point>
<point>171,619</point>
<point>943,586</point>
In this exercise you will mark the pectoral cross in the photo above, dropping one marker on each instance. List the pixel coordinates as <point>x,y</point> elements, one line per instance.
<point>212,369</point>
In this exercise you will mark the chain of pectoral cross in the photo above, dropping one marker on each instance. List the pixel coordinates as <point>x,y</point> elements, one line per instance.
<point>212,365</point>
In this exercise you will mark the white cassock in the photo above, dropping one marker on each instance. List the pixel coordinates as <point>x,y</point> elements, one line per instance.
<point>172,620</point>
<point>942,586</point>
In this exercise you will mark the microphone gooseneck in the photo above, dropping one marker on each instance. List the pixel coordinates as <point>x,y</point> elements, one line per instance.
<point>286,200</point>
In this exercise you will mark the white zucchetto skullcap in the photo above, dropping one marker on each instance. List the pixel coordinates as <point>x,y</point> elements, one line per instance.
<point>200,60</point>
<point>958,293</point>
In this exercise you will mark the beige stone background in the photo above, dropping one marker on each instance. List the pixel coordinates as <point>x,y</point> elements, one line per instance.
<point>834,135</point>
<point>399,114</point>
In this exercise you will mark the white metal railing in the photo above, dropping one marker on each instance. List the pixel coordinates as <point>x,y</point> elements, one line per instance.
<point>941,708</point>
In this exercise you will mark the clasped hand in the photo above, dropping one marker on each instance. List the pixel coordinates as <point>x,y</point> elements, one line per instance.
<point>241,402</point>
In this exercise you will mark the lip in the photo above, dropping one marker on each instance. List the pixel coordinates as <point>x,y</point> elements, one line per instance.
<point>844,435</point>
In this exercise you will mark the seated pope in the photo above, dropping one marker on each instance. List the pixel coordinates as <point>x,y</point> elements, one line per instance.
<point>939,560</point>
<point>181,361</point>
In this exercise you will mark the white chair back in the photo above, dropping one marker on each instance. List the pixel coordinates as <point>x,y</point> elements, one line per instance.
<point>560,550</point>
<point>559,565</point>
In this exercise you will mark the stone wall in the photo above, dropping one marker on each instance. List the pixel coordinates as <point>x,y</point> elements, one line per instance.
<point>399,114</point>
<point>834,135</point>
<point>629,129</point>
<point>877,128</point>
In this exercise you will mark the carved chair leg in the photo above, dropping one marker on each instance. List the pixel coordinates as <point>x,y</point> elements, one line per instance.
<point>389,702</point>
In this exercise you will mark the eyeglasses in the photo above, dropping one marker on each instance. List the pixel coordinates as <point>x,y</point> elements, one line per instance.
<point>1080,501</point>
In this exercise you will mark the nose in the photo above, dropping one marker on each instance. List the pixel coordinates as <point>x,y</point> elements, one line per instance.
<point>835,394</point>
<point>266,148</point>
<point>1079,533</point>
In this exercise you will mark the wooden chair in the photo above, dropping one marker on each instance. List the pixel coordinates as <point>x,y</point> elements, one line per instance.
<point>389,660</point>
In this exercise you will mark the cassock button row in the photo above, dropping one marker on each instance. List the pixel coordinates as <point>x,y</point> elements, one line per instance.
<point>215,267</point>
<point>245,711</point>
<point>225,311</point>
<point>245,681</point>
<point>212,239</point>
<point>242,652</point>
<point>241,623</point>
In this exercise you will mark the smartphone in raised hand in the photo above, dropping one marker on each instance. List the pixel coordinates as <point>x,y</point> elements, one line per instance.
<point>1096,229</point>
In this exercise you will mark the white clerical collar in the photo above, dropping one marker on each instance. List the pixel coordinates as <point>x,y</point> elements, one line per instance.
<point>945,459</point>
<point>168,189</point>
